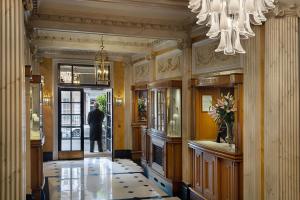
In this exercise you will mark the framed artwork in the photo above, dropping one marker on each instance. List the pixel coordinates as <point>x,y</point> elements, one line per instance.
<point>206,103</point>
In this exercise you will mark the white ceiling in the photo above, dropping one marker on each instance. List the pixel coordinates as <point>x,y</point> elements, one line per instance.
<point>61,39</point>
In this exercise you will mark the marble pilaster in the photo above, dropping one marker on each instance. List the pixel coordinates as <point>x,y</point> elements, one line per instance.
<point>281,113</point>
<point>253,63</point>
<point>186,107</point>
<point>128,72</point>
<point>12,101</point>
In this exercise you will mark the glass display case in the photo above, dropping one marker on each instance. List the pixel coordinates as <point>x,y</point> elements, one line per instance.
<point>165,144</point>
<point>166,110</point>
<point>36,108</point>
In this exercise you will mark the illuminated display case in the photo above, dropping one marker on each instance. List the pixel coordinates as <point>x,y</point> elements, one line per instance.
<point>34,135</point>
<point>165,129</point>
<point>166,110</point>
<point>36,108</point>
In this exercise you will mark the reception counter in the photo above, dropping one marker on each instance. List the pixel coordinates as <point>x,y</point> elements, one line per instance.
<point>216,171</point>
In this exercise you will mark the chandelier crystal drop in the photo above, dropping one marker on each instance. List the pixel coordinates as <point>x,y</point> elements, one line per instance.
<point>230,20</point>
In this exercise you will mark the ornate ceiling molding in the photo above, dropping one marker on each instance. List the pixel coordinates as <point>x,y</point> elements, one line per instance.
<point>68,38</point>
<point>283,9</point>
<point>121,22</point>
<point>177,4</point>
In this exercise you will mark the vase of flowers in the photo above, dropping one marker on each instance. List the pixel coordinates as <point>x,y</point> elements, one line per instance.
<point>142,108</point>
<point>223,113</point>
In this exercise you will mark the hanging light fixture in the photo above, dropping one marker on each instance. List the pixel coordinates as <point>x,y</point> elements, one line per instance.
<point>230,20</point>
<point>101,64</point>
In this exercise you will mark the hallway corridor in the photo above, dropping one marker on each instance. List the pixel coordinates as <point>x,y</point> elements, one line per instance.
<point>98,178</point>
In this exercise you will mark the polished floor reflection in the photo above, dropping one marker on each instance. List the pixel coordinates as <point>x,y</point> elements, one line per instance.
<point>99,178</point>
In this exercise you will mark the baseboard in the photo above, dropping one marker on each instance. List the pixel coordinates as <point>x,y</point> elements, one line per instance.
<point>184,191</point>
<point>29,197</point>
<point>47,156</point>
<point>123,154</point>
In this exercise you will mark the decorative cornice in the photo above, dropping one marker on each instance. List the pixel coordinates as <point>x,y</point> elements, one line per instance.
<point>69,38</point>
<point>282,10</point>
<point>116,21</point>
<point>179,4</point>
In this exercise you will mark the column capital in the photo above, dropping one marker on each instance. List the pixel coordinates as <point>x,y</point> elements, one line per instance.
<point>284,9</point>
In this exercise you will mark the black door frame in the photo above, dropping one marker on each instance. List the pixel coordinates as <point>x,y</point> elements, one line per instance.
<point>60,89</point>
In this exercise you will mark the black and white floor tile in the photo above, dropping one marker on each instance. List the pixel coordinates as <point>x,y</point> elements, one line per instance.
<point>99,178</point>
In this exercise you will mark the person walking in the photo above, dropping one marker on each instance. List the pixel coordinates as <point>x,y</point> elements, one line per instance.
<point>95,119</point>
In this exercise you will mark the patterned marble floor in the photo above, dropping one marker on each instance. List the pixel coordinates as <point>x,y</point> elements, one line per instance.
<point>99,178</point>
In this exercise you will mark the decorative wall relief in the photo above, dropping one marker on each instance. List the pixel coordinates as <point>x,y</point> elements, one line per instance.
<point>141,71</point>
<point>206,60</point>
<point>169,65</point>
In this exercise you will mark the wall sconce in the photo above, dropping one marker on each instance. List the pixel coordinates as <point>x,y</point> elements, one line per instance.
<point>119,101</point>
<point>47,100</point>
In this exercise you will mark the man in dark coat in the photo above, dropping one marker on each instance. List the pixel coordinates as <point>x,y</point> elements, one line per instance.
<point>95,119</point>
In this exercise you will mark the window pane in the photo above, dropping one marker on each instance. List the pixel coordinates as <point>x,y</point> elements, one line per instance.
<point>76,145</point>
<point>84,75</point>
<point>66,120</point>
<point>65,96</point>
<point>65,108</point>
<point>76,120</point>
<point>65,145</point>
<point>76,108</point>
<point>66,74</point>
<point>76,96</point>
<point>65,133</point>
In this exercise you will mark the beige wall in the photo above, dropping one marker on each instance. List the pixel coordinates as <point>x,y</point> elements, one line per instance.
<point>118,110</point>
<point>46,72</point>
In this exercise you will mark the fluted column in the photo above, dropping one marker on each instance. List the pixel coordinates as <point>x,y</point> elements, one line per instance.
<point>282,145</point>
<point>128,72</point>
<point>12,101</point>
<point>253,115</point>
<point>186,108</point>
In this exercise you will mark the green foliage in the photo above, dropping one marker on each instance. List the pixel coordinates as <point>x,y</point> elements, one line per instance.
<point>101,100</point>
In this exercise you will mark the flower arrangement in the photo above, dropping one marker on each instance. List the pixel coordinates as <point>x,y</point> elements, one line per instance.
<point>223,112</point>
<point>142,108</point>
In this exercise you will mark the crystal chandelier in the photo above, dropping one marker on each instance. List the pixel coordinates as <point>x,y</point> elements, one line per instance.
<point>101,63</point>
<point>230,20</point>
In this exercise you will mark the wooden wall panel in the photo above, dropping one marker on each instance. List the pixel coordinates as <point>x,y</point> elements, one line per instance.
<point>282,153</point>
<point>253,62</point>
<point>12,101</point>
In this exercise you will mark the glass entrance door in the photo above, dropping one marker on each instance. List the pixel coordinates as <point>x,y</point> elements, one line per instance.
<point>108,126</point>
<point>70,123</point>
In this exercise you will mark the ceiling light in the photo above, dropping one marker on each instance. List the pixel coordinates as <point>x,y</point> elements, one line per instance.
<point>230,20</point>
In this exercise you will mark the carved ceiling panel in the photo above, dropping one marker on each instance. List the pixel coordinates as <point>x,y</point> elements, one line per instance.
<point>206,60</point>
<point>169,65</point>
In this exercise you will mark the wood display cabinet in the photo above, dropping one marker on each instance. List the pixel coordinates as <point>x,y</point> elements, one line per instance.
<point>217,168</point>
<point>165,135</point>
<point>36,135</point>
<point>139,119</point>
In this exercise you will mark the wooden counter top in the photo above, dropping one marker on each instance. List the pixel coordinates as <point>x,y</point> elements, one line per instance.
<point>222,150</point>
